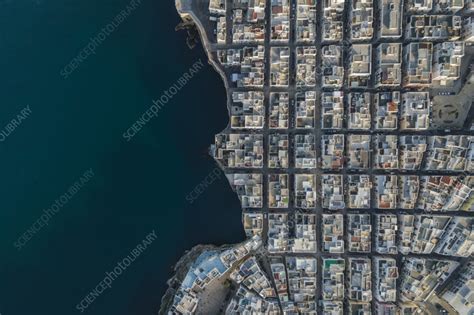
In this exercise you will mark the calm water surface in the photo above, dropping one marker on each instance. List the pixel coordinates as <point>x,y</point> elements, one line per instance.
<point>77,124</point>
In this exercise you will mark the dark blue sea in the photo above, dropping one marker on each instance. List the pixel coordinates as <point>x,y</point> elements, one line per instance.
<point>77,124</point>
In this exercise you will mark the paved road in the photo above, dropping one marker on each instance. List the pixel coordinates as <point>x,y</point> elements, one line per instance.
<point>318,133</point>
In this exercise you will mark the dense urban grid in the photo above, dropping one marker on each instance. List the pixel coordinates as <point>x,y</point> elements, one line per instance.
<point>351,148</point>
